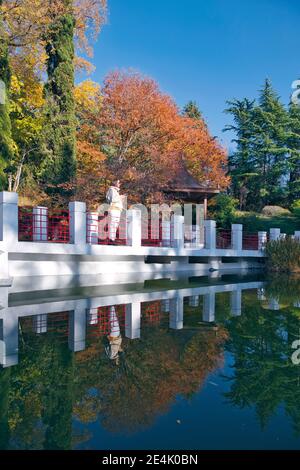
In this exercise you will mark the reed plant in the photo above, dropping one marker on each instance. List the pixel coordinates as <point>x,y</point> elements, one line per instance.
<point>283,255</point>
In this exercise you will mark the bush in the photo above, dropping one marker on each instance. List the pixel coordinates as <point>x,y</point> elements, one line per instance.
<point>275,211</point>
<point>222,209</point>
<point>296,208</point>
<point>283,255</point>
<point>251,222</point>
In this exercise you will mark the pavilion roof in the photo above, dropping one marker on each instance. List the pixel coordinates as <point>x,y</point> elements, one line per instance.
<point>185,182</point>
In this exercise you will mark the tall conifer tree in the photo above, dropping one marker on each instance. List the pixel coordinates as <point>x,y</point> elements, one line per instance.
<point>270,146</point>
<point>59,135</point>
<point>294,152</point>
<point>259,166</point>
<point>240,162</point>
<point>6,141</point>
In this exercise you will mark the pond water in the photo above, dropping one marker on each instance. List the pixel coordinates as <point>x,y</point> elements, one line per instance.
<point>185,363</point>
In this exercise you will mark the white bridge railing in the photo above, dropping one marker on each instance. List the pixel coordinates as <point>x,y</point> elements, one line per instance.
<point>78,226</point>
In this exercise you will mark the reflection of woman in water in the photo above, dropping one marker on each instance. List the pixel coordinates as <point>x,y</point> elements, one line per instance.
<point>114,337</point>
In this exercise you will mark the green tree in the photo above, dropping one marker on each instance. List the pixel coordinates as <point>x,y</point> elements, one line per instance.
<point>260,165</point>
<point>294,152</point>
<point>26,112</point>
<point>270,146</point>
<point>192,110</point>
<point>59,134</point>
<point>222,209</point>
<point>36,395</point>
<point>240,161</point>
<point>57,412</point>
<point>6,141</point>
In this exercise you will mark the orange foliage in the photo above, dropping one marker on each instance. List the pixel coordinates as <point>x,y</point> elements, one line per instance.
<point>146,139</point>
<point>139,124</point>
<point>205,158</point>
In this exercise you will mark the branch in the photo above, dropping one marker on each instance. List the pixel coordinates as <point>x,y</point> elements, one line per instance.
<point>20,168</point>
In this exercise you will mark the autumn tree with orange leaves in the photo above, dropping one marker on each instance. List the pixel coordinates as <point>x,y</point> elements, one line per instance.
<point>204,156</point>
<point>146,140</point>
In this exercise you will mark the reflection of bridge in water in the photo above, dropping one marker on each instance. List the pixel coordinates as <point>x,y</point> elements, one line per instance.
<point>81,311</point>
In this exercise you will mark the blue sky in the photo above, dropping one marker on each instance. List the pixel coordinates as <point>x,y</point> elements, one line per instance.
<point>205,50</point>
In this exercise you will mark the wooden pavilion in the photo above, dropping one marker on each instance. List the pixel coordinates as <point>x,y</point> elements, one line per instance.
<point>187,189</point>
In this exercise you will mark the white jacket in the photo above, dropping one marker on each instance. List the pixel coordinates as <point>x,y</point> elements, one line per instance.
<point>114,199</point>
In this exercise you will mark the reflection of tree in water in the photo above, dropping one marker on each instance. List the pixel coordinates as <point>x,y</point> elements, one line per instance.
<point>51,385</point>
<point>39,398</point>
<point>151,374</point>
<point>4,406</point>
<point>57,410</point>
<point>285,288</point>
<point>264,376</point>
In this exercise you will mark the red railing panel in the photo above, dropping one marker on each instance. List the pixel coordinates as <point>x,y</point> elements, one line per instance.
<point>223,239</point>
<point>39,225</point>
<point>153,314</point>
<point>59,227</point>
<point>25,219</point>
<point>250,241</point>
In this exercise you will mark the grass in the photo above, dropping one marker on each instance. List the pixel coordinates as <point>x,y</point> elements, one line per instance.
<point>254,222</point>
